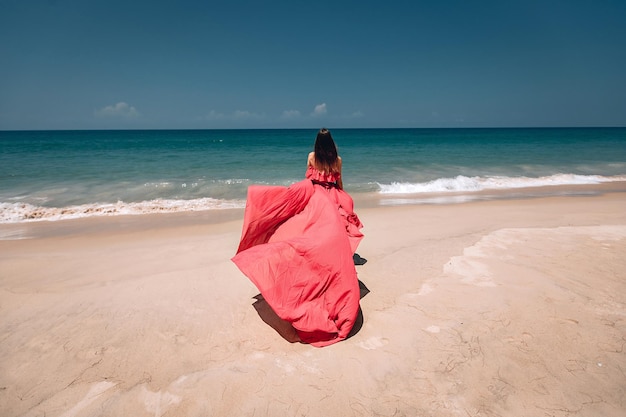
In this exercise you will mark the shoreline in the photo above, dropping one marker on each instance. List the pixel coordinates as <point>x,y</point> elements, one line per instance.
<point>45,227</point>
<point>499,307</point>
<point>460,197</point>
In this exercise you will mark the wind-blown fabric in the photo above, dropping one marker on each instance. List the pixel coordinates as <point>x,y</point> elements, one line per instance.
<point>297,247</point>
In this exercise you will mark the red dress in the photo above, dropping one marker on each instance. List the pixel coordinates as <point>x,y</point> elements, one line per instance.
<point>296,247</point>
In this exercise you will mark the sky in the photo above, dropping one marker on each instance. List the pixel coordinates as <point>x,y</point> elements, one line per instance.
<point>181,64</point>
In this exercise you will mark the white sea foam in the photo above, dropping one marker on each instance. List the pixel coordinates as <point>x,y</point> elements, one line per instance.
<point>22,212</point>
<point>16,210</point>
<point>469,184</point>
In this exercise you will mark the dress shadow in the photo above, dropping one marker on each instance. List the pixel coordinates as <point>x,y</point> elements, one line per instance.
<point>282,327</point>
<point>358,260</point>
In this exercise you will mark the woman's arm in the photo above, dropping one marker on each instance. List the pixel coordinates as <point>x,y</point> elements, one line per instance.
<point>339,181</point>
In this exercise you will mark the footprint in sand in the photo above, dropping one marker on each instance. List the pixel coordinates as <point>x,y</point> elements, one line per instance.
<point>373,343</point>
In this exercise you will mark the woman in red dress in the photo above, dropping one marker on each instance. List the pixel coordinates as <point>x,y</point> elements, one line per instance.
<point>297,247</point>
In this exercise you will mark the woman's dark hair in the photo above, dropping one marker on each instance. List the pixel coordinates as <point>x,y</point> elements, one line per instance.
<point>325,151</point>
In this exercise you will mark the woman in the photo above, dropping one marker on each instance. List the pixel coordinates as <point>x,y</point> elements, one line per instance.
<point>297,246</point>
<point>324,169</point>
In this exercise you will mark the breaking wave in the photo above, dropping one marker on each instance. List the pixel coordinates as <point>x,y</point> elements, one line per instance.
<point>470,184</point>
<point>21,212</point>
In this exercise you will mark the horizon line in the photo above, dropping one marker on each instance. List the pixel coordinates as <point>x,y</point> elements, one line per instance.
<point>315,128</point>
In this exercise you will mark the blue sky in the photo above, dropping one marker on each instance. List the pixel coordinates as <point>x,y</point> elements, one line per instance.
<point>88,64</point>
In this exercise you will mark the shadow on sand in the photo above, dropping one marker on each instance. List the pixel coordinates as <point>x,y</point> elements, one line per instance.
<point>358,260</point>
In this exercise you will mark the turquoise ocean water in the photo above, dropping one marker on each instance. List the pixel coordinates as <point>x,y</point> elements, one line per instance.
<point>67,174</point>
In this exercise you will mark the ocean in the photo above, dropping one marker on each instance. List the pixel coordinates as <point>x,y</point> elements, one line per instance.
<point>53,175</point>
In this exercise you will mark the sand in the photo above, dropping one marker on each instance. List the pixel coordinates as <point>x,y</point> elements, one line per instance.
<point>493,308</point>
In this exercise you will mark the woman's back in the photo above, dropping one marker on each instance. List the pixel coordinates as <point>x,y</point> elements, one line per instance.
<point>314,172</point>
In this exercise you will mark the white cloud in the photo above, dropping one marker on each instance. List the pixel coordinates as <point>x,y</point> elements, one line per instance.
<point>121,110</point>
<point>246,115</point>
<point>213,115</point>
<point>290,114</point>
<point>319,110</point>
<point>287,116</point>
<point>237,115</point>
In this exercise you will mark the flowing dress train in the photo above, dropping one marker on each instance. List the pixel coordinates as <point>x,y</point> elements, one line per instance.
<point>297,247</point>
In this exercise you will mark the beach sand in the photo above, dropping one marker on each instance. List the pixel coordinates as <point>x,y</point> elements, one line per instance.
<point>494,308</point>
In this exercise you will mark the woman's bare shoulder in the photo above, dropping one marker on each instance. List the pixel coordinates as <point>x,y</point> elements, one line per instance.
<point>311,158</point>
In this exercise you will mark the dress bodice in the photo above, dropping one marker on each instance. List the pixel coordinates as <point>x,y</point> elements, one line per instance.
<point>313,173</point>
